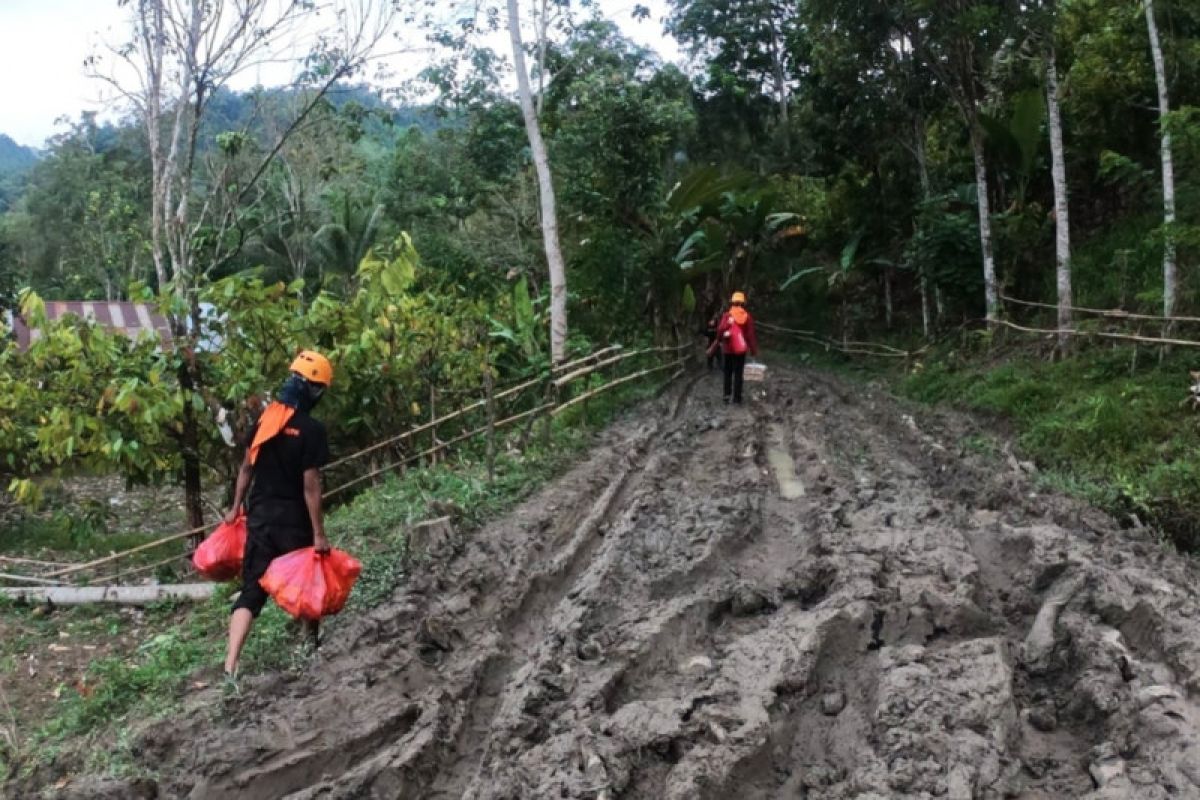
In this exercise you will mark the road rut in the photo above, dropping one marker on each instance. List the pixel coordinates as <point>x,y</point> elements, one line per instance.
<point>820,594</point>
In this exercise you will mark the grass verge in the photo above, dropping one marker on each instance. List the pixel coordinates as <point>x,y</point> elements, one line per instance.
<point>1099,424</point>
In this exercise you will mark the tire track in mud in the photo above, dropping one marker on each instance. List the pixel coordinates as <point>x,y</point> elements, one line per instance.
<point>815,596</point>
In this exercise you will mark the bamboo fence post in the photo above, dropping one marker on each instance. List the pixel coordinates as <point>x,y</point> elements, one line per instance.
<point>551,402</point>
<point>491,422</point>
<point>433,437</point>
<point>584,404</point>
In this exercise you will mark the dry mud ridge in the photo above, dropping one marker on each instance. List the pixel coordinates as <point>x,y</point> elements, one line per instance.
<point>812,596</point>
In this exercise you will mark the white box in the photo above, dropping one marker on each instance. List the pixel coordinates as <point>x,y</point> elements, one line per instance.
<point>755,373</point>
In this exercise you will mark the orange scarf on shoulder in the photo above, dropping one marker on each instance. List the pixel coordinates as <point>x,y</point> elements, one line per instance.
<point>269,425</point>
<point>739,315</point>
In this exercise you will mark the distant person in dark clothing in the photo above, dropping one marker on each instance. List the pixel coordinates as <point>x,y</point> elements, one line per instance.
<point>736,333</point>
<point>710,334</point>
<point>287,450</point>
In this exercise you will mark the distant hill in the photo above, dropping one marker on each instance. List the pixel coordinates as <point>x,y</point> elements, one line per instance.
<point>381,121</point>
<point>15,158</point>
<point>15,162</point>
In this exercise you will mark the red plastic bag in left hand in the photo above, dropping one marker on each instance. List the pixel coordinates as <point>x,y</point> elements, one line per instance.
<point>219,557</point>
<point>310,586</point>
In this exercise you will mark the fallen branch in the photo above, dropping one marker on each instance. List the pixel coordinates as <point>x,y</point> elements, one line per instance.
<point>123,595</point>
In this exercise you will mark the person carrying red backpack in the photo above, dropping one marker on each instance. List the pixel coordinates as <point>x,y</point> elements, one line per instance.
<point>735,332</point>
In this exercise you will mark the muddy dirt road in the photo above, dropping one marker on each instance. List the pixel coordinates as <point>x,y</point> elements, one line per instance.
<point>812,596</point>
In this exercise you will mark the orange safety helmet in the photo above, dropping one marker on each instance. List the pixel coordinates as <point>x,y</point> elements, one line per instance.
<point>314,367</point>
<point>739,297</point>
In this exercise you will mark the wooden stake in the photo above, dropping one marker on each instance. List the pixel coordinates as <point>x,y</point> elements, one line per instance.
<point>491,423</point>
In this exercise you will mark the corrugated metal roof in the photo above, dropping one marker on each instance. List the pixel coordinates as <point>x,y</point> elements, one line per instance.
<point>131,319</point>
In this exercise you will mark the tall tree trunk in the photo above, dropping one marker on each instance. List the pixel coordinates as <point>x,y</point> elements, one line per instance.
<point>990,292</point>
<point>923,174</point>
<point>887,297</point>
<point>779,74</point>
<point>541,163</point>
<point>1168,167</point>
<point>189,446</point>
<point>1062,220</point>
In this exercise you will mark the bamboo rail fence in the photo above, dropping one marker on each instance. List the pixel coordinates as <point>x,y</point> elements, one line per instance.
<point>849,347</point>
<point>1112,313</point>
<point>54,575</point>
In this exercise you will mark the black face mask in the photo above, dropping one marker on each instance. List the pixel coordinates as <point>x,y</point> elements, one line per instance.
<point>300,394</point>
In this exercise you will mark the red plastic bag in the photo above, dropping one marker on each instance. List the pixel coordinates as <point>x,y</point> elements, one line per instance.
<point>219,557</point>
<point>737,339</point>
<point>308,585</point>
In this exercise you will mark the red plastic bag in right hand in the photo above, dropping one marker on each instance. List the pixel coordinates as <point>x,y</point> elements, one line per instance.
<point>308,585</point>
<point>219,557</point>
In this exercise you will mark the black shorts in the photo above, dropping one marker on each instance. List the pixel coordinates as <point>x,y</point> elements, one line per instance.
<point>264,544</point>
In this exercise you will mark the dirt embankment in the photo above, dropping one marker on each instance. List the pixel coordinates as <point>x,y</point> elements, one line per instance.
<point>813,596</point>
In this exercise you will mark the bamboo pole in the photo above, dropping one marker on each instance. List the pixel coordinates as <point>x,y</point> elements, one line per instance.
<point>139,570</point>
<point>440,446</point>
<point>579,373</point>
<point>769,327</point>
<point>28,579</point>
<point>426,426</point>
<point>854,350</point>
<point>585,359</point>
<point>1125,337</point>
<point>33,561</point>
<point>174,537</point>
<point>613,384</point>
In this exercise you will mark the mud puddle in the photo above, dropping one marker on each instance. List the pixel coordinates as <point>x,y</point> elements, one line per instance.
<point>819,594</point>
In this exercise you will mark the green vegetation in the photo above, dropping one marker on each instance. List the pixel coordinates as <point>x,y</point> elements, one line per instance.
<point>61,534</point>
<point>830,159</point>
<point>1119,437</point>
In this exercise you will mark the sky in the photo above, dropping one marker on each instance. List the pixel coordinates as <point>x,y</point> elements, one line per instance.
<point>43,44</point>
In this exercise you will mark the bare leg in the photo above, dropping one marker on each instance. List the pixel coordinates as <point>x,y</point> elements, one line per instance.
<point>239,628</point>
<point>312,633</point>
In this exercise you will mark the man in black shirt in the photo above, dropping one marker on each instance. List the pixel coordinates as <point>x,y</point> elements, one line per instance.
<point>287,450</point>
